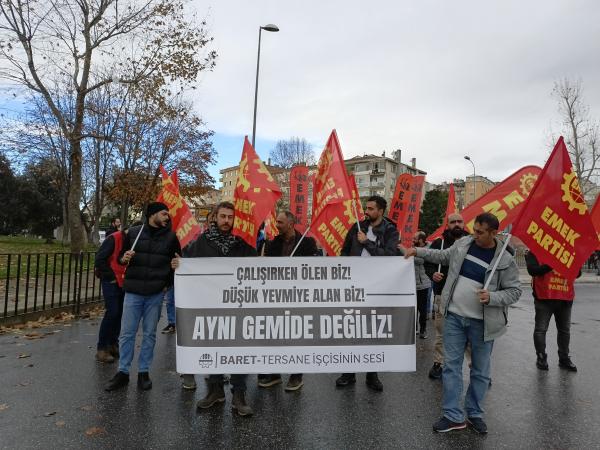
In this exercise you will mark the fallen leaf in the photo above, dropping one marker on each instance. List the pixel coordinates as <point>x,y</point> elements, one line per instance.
<point>60,423</point>
<point>86,407</point>
<point>24,355</point>
<point>48,414</point>
<point>3,406</point>
<point>94,431</point>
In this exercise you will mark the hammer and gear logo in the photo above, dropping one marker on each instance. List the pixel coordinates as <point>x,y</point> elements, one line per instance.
<point>242,179</point>
<point>206,360</point>
<point>572,193</point>
<point>527,182</point>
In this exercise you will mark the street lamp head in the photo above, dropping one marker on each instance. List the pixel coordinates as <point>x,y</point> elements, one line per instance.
<point>466,157</point>
<point>271,27</point>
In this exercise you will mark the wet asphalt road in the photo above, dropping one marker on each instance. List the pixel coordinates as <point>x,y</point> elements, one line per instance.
<point>52,398</point>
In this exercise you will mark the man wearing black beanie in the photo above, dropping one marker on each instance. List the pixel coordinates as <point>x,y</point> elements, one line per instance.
<point>147,253</point>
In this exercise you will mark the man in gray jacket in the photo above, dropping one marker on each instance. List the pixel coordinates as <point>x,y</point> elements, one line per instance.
<point>472,315</point>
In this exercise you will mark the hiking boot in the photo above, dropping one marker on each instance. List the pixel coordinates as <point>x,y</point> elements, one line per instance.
<point>144,381</point>
<point>238,403</point>
<point>435,373</point>
<point>542,361</point>
<point>189,382</point>
<point>104,356</point>
<point>114,350</point>
<point>169,329</point>
<point>270,380</point>
<point>345,379</point>
<point>121,379</point>
<point>373,382</point>
<point>444,425</point>
<point>294,383</point>
<point>566,363</point>
<point>216,394</point>
<point>478,424</point>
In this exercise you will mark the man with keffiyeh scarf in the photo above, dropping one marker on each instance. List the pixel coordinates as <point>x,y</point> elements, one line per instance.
<point>218,241</point>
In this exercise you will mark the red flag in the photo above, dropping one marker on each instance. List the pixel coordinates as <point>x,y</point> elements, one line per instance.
<point>270,228</point>
<point>356,197</point>
<point>183,223</point>
<point>254,197</point>
<point>450,209</point>
<point>299,195</point>
<point>555,223</point>
<point>406,206</point>
<point>333,206</point>
<point>596,218</point>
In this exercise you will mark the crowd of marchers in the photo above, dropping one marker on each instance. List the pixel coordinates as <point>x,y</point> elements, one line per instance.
<point>472,279</point>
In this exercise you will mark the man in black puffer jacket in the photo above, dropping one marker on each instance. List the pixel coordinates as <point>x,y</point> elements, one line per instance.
<point>377,236</point>
<point>147,276</point>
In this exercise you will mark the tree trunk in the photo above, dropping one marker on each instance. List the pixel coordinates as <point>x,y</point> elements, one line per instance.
<point>75,224</point>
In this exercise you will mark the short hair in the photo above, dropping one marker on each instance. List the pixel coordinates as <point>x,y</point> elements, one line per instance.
<point>421,235</point>
<point>290,216</point>
<point>488,218</point>
<point>379,200</point>
<point>224,205</point>
<point>113,219</point>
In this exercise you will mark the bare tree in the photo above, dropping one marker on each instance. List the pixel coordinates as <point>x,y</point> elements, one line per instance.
<point>139,40</point>
<point>293,151</point>
<point>580,131</point>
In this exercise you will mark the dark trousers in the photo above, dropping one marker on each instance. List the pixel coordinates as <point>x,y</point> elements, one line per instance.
<point>561,309</point>
<point>111,322</point>
<point>238,381</point>
<point>422,309</point>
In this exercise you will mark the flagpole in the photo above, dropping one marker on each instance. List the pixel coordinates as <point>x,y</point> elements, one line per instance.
<point>302,237</point>
<point>137,237</point>
<point>440,264</point>
<point>495,266</point>
<point>356,213</point>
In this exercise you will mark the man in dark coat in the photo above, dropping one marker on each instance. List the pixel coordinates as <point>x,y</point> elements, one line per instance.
<point>218,241</point>
<point>283,245</point>
<point>437,274</point>
<point>147,277</point>
<point>376,236</point>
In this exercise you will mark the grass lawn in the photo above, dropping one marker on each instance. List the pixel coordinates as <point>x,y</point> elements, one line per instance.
<point>18,245</point>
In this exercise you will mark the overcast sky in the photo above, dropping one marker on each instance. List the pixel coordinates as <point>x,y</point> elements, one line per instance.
<point>436,79</point>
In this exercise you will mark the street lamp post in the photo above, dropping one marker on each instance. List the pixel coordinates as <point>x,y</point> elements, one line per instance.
<point>274,29</point>
<point>473,164</point>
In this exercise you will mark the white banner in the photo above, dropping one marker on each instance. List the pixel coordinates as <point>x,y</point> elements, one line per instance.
<point>295,315</point>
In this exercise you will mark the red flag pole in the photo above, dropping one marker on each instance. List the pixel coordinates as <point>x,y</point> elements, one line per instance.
<point>301,238</point>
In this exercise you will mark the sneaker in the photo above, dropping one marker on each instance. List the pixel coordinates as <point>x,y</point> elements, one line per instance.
<point>104,356</point>
<point>144,381</point>
<point>270,380</point>
<point>444,425</point>
<point>189,382</point>
<point>169,329</point>
<point>423,335</point>
<point>478,424</point>
<point>435,373</point>
<point>373,382</point>
<point>121,379</point>
<point>345,379</point>
<point>567,364</point>
<point>294,383</point>
<point>542,361</point>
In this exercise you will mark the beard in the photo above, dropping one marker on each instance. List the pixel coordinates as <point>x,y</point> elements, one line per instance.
<point>456,232</point>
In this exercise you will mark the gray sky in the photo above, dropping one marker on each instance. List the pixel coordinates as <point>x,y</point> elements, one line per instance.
<point>437,79</point>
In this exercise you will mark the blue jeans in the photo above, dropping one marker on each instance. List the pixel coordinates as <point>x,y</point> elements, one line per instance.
<point>135,308</point>
<point>458,331</point>
<point>111,322</point>
<point>170,305</point>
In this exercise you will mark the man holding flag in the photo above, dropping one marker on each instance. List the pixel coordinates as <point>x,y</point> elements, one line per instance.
<point>475,304</point>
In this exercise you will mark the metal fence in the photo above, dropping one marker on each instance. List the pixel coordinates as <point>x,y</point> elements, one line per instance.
<point>43,281</point>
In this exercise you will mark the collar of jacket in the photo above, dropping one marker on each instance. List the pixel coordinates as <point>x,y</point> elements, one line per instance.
<point>464,243</point>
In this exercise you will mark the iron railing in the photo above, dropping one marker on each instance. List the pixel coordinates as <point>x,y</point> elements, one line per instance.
<point>35,282</point>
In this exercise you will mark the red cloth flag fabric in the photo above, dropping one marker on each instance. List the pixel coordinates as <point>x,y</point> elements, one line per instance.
<point>356,197</point>
<point>299,195</point>
<point>270,228</point>
<point>333,209</point>
<point>555,222</point>
<point>596,218</point>
<point>450,209</point>
<point>254,197</point>
<point>183,222</point>
<point>406,206</point>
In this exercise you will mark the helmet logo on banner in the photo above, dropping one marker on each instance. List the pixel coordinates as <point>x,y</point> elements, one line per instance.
<point>527,181</point>
<point>572,194</point>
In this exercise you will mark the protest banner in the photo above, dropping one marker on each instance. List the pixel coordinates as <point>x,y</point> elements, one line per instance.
<point>254,197</point>
<point>183,222</point>
<point>299,196</point>
<point>295,315</point>
<point>406,206</point>
<point>554,222</point>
